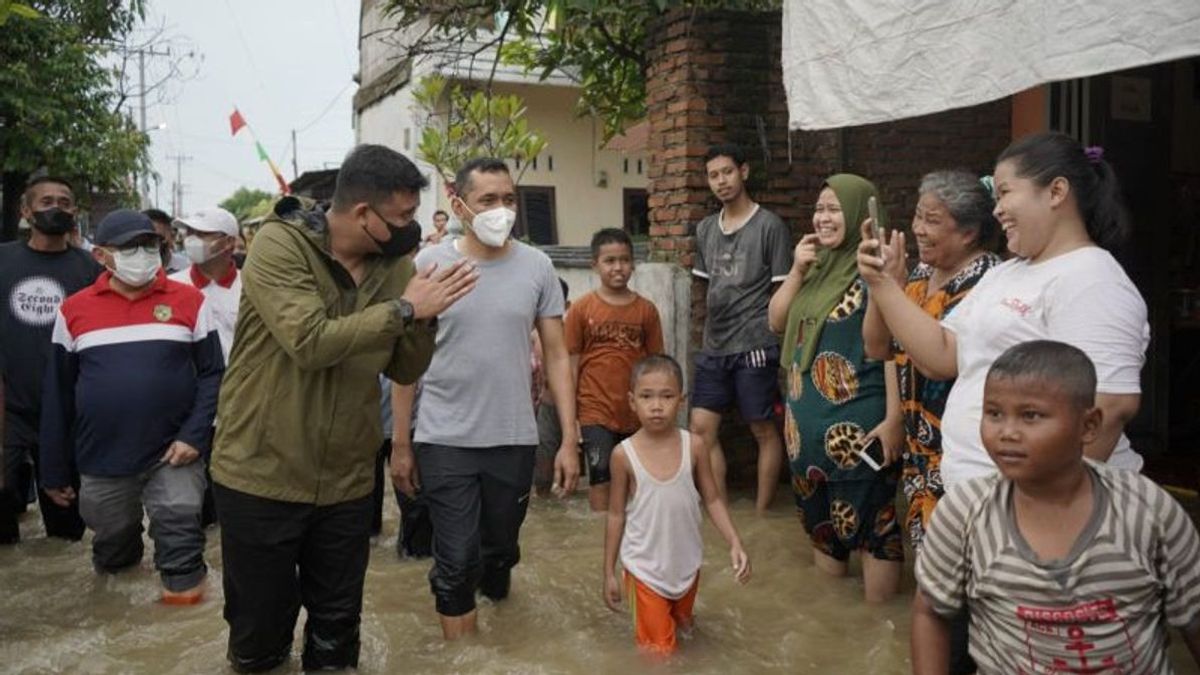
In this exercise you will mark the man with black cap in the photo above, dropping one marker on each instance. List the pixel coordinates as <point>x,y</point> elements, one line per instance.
<point>35,277</point>
<point>129,398</point>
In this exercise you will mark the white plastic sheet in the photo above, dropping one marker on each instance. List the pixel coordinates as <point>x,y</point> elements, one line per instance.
<point>852,62</point>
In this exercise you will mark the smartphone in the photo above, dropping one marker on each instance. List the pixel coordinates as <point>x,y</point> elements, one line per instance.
<point>873,212</point>
<point>872,454</point>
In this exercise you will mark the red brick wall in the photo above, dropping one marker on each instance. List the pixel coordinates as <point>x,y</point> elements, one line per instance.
<point>716,77</point>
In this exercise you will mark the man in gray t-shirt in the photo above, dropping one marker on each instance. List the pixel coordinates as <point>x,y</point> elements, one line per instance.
<point>472,455</point>
<point>743,252</point>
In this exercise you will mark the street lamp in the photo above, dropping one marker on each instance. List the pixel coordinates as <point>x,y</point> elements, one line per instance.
<point>145,187</point>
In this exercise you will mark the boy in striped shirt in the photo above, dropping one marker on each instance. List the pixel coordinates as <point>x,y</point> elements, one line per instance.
<point>1065,565</point>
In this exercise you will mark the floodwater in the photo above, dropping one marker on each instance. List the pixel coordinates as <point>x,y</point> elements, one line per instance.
<point>57,616</point>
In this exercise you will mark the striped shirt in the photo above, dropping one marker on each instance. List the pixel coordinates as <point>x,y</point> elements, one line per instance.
<point>1103,608</point>
<point>128,377</point>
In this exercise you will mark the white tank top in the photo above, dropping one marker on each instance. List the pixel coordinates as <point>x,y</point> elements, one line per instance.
<point>662,545</point>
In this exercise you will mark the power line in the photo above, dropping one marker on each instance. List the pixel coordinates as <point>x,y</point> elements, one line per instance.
<point>326,110</point>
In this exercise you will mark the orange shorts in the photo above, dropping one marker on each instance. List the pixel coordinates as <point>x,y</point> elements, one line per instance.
<point>655,618</point>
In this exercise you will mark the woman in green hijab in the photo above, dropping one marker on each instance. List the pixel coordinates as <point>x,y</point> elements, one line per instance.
<point>839,401</point>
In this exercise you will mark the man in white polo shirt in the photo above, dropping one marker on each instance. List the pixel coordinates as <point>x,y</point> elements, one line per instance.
<point>210,235</point>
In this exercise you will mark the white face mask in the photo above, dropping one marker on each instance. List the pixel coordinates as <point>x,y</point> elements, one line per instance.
<point>493,226</point>
<point>197,249</point>
<point>137,267</point>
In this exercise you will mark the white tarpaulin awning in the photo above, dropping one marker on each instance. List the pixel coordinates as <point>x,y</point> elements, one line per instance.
<point>852,62</point>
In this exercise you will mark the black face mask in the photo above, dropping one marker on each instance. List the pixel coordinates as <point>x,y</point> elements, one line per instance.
<point>404,240</point>
<point>53,221</point>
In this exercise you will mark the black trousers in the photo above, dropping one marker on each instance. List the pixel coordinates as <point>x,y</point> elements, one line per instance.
<point>477,498</point>
<point>20,477</point>
<point>416,528</point>
<point>281,555</point>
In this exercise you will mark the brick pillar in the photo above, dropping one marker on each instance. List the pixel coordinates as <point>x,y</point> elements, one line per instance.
<point>717,77</point>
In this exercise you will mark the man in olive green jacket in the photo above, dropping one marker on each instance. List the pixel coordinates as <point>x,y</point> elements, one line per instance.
<point>329,300</point>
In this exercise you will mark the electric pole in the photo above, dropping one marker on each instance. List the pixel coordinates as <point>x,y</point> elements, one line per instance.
<point>144,187</point>
<point>177,200</point>
<point>295,160</point>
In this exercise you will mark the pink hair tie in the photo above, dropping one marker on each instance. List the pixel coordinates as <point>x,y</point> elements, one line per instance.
<point>1095,154</point>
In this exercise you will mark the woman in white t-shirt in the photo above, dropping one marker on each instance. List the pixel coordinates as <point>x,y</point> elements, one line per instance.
<point>1059,206</point>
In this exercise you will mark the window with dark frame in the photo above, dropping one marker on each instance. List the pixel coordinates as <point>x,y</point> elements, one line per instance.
<point>635,211</point>
<point>537,219</point>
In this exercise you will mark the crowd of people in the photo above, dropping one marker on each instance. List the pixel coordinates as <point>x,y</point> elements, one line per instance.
<point>990,383</point>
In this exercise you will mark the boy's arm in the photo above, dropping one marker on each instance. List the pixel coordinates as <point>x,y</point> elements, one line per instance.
<point>717,511</point>
<point>654,331</point>
<point>562,389</point>
<point>403,465</point>
<point>618,493</point>
<point>930,639</point>
<point>1177,559</point>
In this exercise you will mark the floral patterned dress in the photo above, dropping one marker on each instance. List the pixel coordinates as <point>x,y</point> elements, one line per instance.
<point>843,503</point>
<point>923,400</point>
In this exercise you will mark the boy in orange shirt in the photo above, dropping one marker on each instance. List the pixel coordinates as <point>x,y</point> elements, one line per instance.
<point>608,331</point>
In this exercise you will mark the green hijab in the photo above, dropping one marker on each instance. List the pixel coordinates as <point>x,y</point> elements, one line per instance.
<point>835,269</point>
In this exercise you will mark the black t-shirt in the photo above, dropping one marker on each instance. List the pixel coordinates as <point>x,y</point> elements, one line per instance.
<point>32,286</point>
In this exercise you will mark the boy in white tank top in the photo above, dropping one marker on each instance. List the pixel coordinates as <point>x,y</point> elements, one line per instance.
<point>660,475</point>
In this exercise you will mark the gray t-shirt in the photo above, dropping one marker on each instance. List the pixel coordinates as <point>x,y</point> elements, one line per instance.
<point>476,393</point>
<point>740,269</point>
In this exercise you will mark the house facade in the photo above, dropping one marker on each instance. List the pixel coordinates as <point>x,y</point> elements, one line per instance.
<point>576,186</point>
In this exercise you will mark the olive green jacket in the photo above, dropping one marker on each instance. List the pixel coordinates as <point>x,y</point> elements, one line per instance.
<point>298,417</point>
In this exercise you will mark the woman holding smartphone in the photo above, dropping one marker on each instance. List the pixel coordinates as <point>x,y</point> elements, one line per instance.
<point>955,232</point>
<point>1059,207</point>
<point>840,402</point>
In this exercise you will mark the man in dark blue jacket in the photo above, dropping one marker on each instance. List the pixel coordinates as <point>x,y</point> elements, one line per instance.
<point>129,399</point>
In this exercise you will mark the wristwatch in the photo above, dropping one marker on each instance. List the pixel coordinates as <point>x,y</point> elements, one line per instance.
<point>405,311</point>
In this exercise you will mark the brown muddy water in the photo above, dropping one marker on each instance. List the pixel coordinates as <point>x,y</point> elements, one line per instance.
<point>57,616</point>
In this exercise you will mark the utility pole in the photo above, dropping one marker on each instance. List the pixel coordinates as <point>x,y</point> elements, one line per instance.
<point>177,201</point>
<point>295,160</point>
<point>141,54</point>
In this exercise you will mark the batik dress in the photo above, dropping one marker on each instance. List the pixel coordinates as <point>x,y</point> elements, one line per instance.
<point>843,503</point>
<point>923,400</point>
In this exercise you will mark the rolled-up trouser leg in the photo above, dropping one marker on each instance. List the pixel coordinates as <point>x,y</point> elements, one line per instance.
<point>173,497</point>
<point>451,490</point>
<point>112,508</point>
<point>260,548</point>
<point>333,564</point>
<point>505,484</point>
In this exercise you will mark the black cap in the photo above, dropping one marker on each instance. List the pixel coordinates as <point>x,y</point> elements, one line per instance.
<point>122,226</point>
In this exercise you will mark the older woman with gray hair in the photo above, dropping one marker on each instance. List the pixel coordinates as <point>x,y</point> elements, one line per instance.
<point>955,231</point>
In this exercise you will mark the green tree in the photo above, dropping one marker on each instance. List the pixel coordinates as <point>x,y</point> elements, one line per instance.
<point>247,203</point>
<point>460,124</point>
<point>60,105</point>
<point>599,44</point>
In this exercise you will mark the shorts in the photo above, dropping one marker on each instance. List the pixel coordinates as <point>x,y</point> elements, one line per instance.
<point>656,618</point>
<point>598,444</point>
<point>750,379</point>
